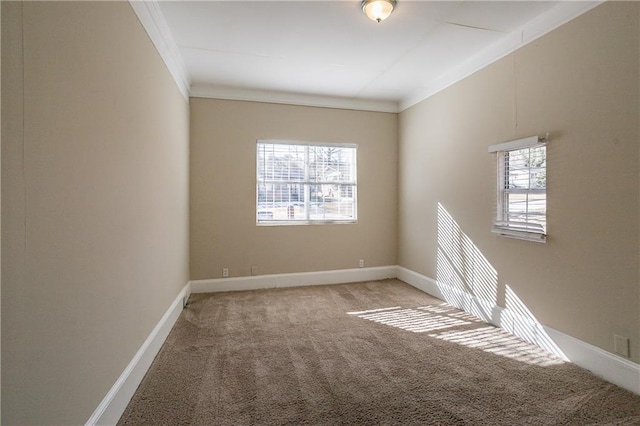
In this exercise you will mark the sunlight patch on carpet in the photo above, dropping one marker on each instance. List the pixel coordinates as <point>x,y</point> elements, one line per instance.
<point>417,320</point>
<point>447,323</point>
<point>493,340</point>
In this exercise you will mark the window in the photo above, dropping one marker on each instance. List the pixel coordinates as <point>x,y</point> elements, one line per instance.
<point>305,183</point>
<point>522,189</point>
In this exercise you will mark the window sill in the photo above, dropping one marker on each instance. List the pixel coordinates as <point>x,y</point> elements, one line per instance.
<point>520,235</point>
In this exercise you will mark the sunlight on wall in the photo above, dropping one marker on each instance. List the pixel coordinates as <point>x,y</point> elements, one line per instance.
<point>447,323</point>
<point>463,270</point>
<point>519,320</point>
<point>468,281</point>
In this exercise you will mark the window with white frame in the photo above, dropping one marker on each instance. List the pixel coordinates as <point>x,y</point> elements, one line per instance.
<point>522,189</point>
<point>305,183</point>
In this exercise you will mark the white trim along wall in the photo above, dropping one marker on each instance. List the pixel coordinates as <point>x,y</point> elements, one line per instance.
<point>612,368</point>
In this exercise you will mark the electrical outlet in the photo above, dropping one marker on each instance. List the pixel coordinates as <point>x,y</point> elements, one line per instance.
<point>621,345</point>
<point>361,263</point>
<point>225,272</point>
<point>254,270</point>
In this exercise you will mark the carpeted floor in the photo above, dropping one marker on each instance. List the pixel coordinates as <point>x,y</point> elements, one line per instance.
<point>375,353</point>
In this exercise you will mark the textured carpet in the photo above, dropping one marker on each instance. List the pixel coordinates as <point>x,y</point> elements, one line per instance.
<point>360,354</point>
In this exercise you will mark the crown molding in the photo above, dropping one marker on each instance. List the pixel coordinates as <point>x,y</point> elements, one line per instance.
<point>155,24</point>
<point>555,17</point>
<point>267,96</point>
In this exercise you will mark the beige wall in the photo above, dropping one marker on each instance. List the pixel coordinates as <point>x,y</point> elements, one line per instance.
<point>94,203</point>
<point>580,83</point>
<point>0,223</point>
<point>223,193</point>
<point>95,182</point>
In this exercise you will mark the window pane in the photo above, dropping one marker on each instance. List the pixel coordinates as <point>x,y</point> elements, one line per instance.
<point>332,202</point>
<point>526,168</point>
<point>278,193</point>
<point>331,164</point>
<point>526,208</point>
<point>280,162</point>
<point>538,167</point>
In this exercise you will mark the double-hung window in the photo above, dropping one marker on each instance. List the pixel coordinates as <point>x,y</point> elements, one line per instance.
<point>522,189</point>
<point>305,183</point>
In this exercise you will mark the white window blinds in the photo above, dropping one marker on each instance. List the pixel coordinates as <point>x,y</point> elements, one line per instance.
<point>300,183</point>
<point>522,189</point>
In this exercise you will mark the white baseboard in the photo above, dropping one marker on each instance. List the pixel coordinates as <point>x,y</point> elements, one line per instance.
<point>258,282</point>
<point>118,397</point>
<point>608,366</point>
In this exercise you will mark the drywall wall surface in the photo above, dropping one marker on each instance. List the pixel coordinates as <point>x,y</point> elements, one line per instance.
<point>94,203</point>
<point>0,225</point>
<point>580,83</point>
<point>223,190</point>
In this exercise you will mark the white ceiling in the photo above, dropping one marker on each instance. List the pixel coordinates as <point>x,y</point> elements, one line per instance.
<point>329,52</point>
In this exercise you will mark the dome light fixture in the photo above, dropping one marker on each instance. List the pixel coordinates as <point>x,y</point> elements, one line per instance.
<point>378,10</point>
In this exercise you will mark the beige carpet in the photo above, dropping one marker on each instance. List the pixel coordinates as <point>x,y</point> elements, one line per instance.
<point>376,353</point>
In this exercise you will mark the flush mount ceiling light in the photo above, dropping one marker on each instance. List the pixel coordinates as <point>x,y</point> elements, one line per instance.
<point>378,10</point>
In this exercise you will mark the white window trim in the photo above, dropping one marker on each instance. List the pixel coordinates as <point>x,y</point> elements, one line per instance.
<point>528,231</point>
<point>311,221</point>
